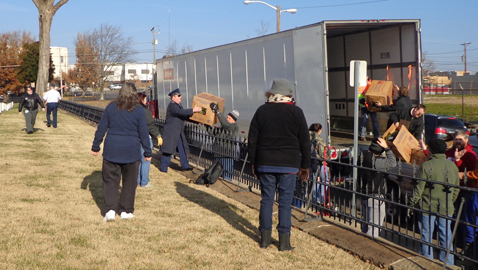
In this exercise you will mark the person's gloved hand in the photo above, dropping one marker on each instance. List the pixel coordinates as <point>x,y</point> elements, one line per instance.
<point>214,107</point>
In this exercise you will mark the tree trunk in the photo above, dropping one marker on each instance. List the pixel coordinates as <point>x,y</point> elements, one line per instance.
<point>46,10</point>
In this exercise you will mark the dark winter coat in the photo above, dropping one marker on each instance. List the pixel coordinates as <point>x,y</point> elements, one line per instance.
<point>152,127</point>
<point>400,103</point>
<point>125,133</point>
<point>174,128</point>
<point>30,102</point>
<point>416,124</point>
<point>279,136</point>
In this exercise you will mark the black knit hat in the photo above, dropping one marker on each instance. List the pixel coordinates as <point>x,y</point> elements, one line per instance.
<point>437,146</point>
<point>375,147</point>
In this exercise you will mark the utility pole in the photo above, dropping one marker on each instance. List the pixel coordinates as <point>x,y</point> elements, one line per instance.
<point>154,60</point>
<point>464,56</point>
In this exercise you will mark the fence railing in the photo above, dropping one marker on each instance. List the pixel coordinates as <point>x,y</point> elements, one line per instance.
<point>336,195</point>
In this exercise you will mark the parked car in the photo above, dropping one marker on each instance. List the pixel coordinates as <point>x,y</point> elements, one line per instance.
<point>442,126</point>
<point>115,86</point>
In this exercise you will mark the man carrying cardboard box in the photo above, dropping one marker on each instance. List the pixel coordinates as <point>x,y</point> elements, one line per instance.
<point>173,136</point>
<point>366,114</point>
<point>414,115</point>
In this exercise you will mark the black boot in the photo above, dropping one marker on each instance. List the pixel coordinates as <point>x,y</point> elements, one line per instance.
<point>266,238</point>
<point>284,242</point>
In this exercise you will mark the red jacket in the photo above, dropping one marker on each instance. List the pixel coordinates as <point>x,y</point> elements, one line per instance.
<point>468,160</point>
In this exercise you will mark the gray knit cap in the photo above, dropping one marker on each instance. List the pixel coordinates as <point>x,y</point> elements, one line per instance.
<point>234,114</point>
<point>280,86</point>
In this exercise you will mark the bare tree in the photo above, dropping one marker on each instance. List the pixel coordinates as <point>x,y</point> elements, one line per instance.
<point>100,51</point>
<point>172,49</point>
<point>187,48</point>
<point>46,10</point>
<point>264,28</point>
<point>428,65</point>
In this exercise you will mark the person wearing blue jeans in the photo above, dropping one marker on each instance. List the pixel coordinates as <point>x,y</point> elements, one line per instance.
<point>434,198</point>
<point>153,129</point>
<point>426,224</point>
<point>51,97</point>
<point>366,114</point>
<point>279,150</point>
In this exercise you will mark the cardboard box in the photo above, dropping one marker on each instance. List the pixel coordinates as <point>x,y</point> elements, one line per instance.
<point>379,91</point>
<point>206,116</point>
<point>402,144</point>
<point>418,157</point>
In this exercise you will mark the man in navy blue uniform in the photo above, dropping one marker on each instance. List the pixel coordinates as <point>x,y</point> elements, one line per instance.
<point>173,136</point>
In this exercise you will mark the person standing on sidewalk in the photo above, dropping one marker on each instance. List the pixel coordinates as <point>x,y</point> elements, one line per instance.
<point>29,103</point>
<point>154,134</point>
<point>173,135</point>
<point>124,124</point>
<point>279,150</point>
<point>51,97</point>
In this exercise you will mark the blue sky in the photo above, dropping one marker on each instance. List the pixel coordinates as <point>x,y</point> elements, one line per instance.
<point>203,24</point>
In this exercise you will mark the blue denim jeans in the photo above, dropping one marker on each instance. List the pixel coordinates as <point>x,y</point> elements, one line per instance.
<point>143,173</point>
<point>320,192</point>
<point>363,127</point>
<point>426,225</point>
<point>285,184</point>
<point>51,108</point>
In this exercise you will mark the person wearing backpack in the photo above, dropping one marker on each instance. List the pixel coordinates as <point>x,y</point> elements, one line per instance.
<point>279,151</point>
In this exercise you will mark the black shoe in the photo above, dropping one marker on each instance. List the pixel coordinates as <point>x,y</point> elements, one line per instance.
<point>187,169</point>
<point>29,132</point>
<point>266,240</point>
<point>362,139</point>
<point>48,125</point>
<point>284,242</point>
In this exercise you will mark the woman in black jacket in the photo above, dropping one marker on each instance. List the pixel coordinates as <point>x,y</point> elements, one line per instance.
<point>30,103</point>
<point>403,101</point>
<point>154,137</point>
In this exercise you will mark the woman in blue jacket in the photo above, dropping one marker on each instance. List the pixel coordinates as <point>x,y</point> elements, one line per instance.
<point>124,124</point>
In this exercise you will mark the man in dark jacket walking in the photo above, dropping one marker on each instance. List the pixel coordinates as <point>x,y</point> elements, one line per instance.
<point>29,103</point>
<point>279,149</point>
<point>414,116</point>
<point>173,135</point>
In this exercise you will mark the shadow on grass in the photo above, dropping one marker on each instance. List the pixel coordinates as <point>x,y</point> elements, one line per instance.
<point>220,207</point>
<point>94,182</point>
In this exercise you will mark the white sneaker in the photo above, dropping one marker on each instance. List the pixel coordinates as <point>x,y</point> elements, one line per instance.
<point>110,215</point>
<point>148,185</point>
<point>125,215</point>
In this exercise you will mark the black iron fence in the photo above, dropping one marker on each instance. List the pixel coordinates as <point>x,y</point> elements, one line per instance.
<point>332,193</point>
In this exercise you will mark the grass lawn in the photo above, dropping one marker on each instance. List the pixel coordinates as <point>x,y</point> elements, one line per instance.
<point>452,105</point>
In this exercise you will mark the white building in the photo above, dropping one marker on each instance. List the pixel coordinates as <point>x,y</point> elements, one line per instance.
<point>59,55</point>
<point>140,74</point>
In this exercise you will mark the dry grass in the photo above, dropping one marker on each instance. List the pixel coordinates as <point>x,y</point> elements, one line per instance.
<point>52,196</point>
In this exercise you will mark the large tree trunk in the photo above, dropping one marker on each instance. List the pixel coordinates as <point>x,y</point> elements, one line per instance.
<point>46,11</point>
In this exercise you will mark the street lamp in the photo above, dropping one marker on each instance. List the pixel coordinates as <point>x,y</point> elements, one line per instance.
<point>277,8</point>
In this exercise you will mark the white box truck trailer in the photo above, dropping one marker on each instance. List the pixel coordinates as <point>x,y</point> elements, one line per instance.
<point>314,58</point>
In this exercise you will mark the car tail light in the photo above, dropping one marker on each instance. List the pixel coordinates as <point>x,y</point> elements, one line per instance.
<point>345,154</point>
<point>440,130</point>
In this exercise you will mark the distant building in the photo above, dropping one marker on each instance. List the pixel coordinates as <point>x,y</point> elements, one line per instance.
<point>59,55</point>
<point>450,82</point>
<point>139,74</point>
